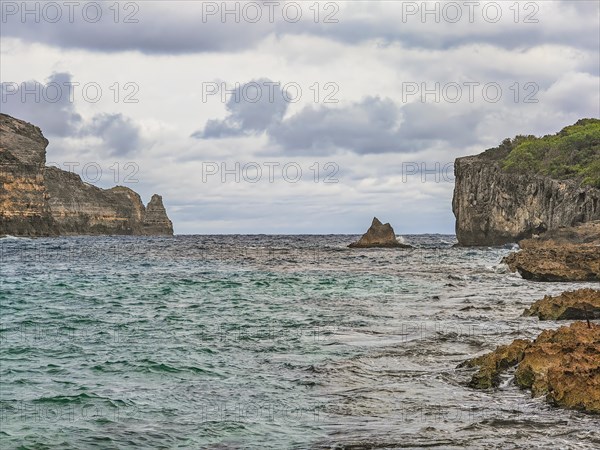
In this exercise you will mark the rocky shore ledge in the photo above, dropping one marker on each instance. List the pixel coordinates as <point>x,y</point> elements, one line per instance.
<point>36,200</point>
<point>563,365</point>
<point>564,254</point>
<point>581,304</point>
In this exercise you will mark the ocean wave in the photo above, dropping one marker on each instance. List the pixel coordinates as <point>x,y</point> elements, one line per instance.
<point>9,237</point>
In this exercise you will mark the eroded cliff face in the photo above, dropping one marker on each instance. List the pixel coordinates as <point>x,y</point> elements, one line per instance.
<point>80,208</point>
<point>24,209</point>
<point>42,201</point>
<point>493,207</point>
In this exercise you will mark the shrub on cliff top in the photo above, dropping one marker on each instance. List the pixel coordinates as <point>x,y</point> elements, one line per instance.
<point>572,153</point>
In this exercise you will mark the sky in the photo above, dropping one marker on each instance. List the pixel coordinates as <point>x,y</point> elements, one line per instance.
<point>306,117</point>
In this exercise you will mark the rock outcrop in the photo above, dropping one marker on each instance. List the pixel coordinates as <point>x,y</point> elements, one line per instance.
<point>43,201</point>
<point>494,206</point>
<point>492,364</point>
<point>562,364</point>
<point>568,254</point>
<point>573,305</point>
<point>379,235</point>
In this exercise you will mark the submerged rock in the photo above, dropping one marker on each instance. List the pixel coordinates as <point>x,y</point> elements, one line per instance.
<point>379,235</point>
<point>562,364</point>
<point>574,305</point>
<point>567,254</point>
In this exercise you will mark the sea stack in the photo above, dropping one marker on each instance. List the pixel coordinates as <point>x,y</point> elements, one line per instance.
<point>156,222</point>
<point>379,235</point>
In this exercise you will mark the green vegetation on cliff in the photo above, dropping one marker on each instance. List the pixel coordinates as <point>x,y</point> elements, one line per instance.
<point>572,153</point>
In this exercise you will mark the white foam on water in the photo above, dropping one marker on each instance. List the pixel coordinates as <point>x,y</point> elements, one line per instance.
<point>8,237</point>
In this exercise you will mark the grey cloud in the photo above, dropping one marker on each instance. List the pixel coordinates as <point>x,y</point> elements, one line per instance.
<point>48,105</point>
<point>415,33</point>
<point>373,125</point>
<point>119,133</point>
<point>175,30</point>
<point>255,106</point>
<point>365,127</point>
<point>425,123</point>
<point>147,27</point>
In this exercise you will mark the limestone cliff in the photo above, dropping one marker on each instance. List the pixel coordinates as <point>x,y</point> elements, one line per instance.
<point>495,205</point>
<point>41,201</point>
<point>24,209</point>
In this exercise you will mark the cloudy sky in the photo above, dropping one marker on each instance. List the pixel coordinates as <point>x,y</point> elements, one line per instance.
<point>294,117</point>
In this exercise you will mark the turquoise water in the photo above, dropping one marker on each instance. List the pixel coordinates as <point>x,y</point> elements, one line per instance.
<point>264,342</point>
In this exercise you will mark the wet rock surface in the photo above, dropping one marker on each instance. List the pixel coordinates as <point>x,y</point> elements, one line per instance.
<point>566,254</point>
<point>492,364</point>
<point>573,305</point>
<point>561,364</point>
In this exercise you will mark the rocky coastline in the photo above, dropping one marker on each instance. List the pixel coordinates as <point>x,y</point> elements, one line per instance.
<point>557,226</point>
<point>563,364</point>
<point>510,193</point>
<point>582,304</point>
<point>36,200</point>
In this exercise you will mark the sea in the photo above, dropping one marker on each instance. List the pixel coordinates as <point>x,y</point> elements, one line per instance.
<point>265,342</point>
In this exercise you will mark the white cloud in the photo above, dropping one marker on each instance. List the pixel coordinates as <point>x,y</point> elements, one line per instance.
<point>370,55</point>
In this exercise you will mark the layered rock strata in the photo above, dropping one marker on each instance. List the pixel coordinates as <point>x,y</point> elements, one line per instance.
<point>44,201</point>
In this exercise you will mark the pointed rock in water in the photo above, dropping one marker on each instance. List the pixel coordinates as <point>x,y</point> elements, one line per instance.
<point>156,222</point>
<point>379,235</point>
